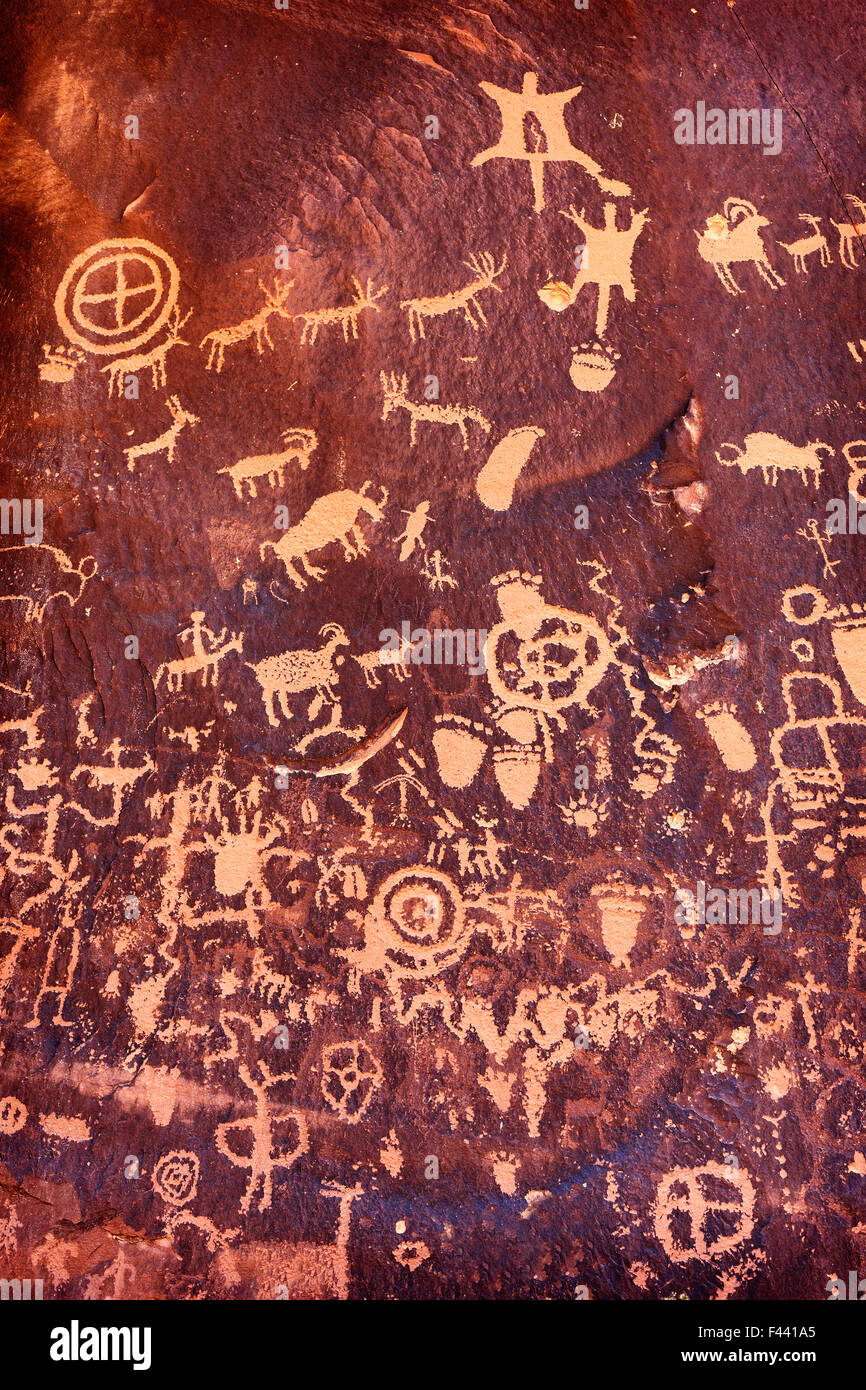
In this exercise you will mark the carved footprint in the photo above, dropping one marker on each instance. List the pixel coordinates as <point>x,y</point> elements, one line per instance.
<point>730,736</point>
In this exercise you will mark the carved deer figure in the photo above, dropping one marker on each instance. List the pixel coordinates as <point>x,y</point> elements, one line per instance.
<point>849,232</point>
<point>299,444</point>
<point>167,441</point>
<point>257,326</point>
<point>806,245</point>
<point>434,306</point>
<point>333,517</point>
<point>155,359</point>
<point>735,238</point>
<point>395,397</point>
<point>346,315</point>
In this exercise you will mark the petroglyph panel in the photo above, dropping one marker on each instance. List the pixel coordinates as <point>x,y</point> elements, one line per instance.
<point>433,701</point>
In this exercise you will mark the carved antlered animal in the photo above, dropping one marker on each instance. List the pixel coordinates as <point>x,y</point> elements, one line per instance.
<point>849,232</point>
<point>300,445</point>
<point>155,359</point>
<point>434,306</point>
<point>294,672</point>
<point>333,517</point>
<point>772,455</point>
<point>395,398</point>
<point>221,338</point>
<point>346,315</point>
<point>733,239</point>
<point>806,245</point>
<point>167,441</point>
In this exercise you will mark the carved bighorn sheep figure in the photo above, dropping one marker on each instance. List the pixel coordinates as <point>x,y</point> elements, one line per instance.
<point>295,672</point>
<point>300,445</point>
<point>734,238</point>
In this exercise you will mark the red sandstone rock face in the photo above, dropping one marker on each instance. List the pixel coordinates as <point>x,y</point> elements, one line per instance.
<point>328,975</point>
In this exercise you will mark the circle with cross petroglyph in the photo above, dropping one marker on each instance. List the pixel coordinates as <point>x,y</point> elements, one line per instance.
<point>116,295</point>
<point>703,1212</point>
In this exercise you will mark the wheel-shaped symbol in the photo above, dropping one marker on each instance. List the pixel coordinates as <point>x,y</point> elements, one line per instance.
<point>418,915</point>
<point>703,1212</point>
<point>116,295</point>
<point>552,667</point>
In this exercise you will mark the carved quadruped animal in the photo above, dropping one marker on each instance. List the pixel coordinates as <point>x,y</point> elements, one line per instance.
<point>300,444</point>
<point>395,391</point>
<point>806,245</point>
<point>850,232</point>
<point>372,663</point>
<point>36,574</point>
<point>155,359</point>
<point>200,659</point>
<point>435,306</point>
<point>167,441</point>
<point>346,315</point>
<point>257,326</point>
<point>333,517</point>
<point>733,238</point>
<point>294,672</point>
<point>773,455</point>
